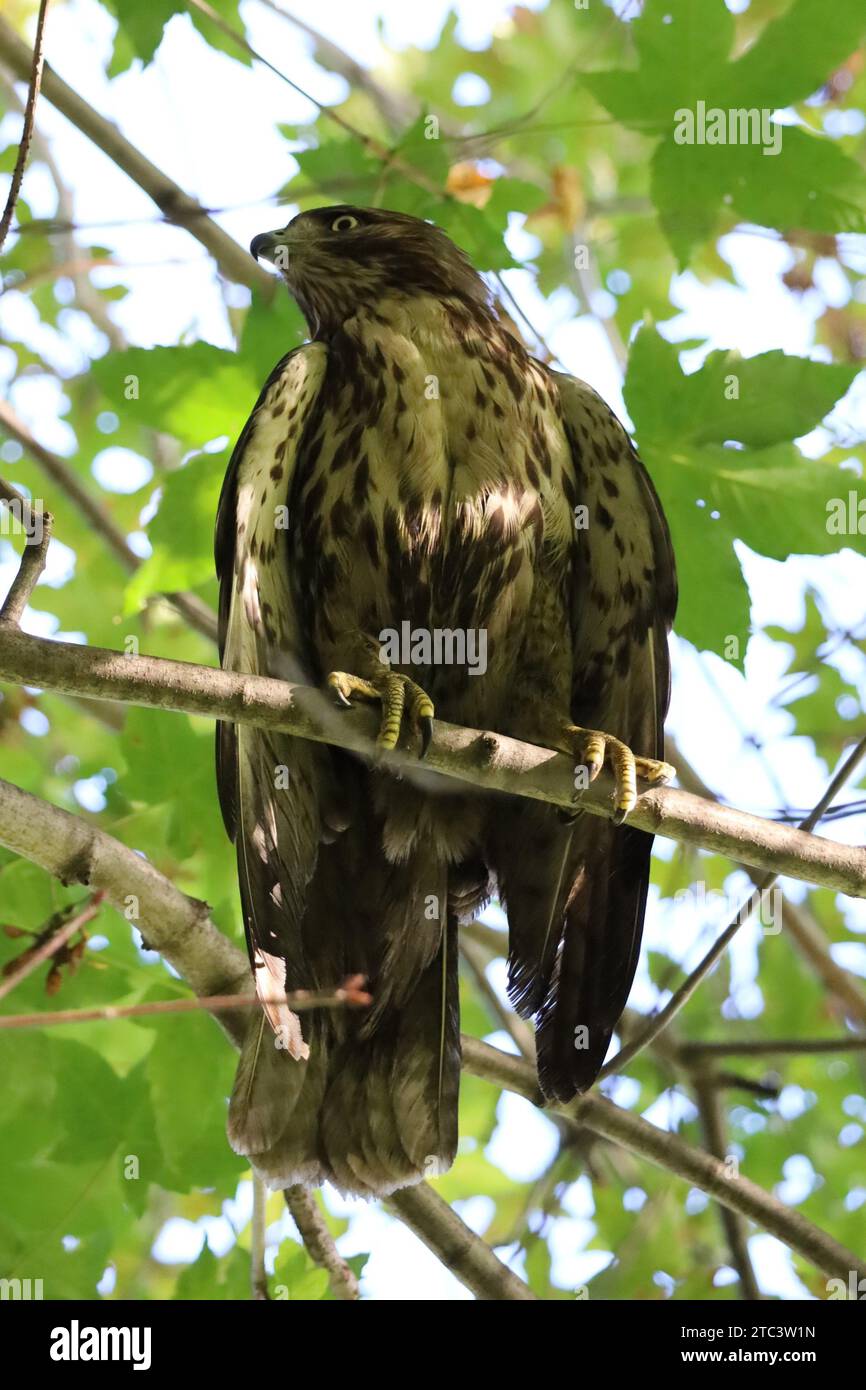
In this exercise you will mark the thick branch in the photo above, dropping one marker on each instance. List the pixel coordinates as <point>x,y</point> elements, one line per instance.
<point>486,760</point>
<point>172,923</point>
<point>670,1152</point>
<point>176,205</point>
<point>462,1252</point>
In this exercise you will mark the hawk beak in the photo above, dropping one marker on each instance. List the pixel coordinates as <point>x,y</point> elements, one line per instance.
<point>264,245</point>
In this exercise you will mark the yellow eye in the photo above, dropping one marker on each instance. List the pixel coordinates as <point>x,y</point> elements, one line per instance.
<point>344,223</point>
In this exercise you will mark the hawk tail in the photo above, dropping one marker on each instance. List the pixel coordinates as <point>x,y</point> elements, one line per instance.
<point>373,1107</point>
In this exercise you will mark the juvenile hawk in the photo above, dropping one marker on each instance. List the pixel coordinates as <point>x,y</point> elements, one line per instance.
<point>413,470</point>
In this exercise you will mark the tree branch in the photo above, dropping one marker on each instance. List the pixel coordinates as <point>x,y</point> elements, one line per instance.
<point>176,205</point>
<point>258,1225</point>
<point>36,63</point>
<point>713,1125</point>
<point>299,1000</point>
<point>770,1047</point>
<point>177,926</point>
<point>461,1251</point>
<point>320,1244</point>
<point>486,760</point>
<point>31,567</point>
<point>32,959</point>
<point>397,108</point>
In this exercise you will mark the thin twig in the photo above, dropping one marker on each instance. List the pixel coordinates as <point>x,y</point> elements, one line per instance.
<point>32,564</point>
<point>320,1244</point>
<point>517,1028</point>
<point>798,922</point>
<point>258,1274</point>
<point>771,1047</point>
<point>33,959</point>
<point>683,994</point>
<point>713,1125</point>
<point>27,131</point>
<point>300,1001</point>
<point>766,1090</point>
<point>397,108</point>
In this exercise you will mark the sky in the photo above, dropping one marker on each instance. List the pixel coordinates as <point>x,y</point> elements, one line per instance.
<point>212,126</point>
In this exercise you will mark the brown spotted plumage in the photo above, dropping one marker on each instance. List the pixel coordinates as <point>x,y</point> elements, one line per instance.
<point>413,468</point>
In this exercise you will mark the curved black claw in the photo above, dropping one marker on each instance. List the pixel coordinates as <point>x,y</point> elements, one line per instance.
<point>426,735</point>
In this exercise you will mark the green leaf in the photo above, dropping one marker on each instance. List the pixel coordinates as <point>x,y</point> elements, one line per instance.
<point>682,50</point>
<point>793,55</point>
<point>141,27</point>
<point>768,495</point>
<point>197,393</point>
<point>270,331</point>
<point>764,399</point>
<point>190,1072</point>
<point>809,183</point>
<point>181,532</point>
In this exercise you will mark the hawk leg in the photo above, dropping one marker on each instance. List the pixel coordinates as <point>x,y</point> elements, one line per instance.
<point>398,696</point>
<point>592,749</point>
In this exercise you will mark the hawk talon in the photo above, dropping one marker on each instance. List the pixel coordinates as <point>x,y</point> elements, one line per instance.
<point>398,695</point>
<point>426,735</point>
<point>595,748</point>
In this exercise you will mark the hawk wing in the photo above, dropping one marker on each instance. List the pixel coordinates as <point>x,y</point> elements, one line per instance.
<point>576,902</point>
<point>623,600</point>
<point>269,784</point>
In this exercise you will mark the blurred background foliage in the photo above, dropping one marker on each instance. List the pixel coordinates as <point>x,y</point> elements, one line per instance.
<point>545,149</point>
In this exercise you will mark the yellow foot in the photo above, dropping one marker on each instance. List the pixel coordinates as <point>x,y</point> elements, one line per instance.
<point>593,749</point>
<point>397,695</point>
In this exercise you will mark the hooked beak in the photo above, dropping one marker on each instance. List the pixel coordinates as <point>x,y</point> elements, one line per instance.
<point>264,245</point>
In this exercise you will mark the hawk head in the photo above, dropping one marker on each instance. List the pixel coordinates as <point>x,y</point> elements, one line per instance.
<point>341,259</point>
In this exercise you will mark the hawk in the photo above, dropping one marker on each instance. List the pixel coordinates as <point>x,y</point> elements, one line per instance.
<point>412,470</point>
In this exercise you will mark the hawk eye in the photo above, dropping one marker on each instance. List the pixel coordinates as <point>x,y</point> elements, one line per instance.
<point>344,223</point>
